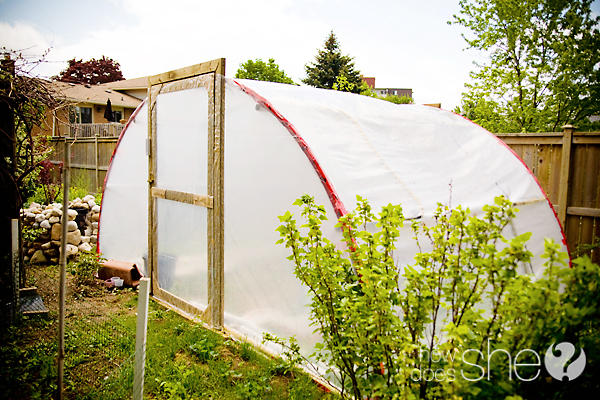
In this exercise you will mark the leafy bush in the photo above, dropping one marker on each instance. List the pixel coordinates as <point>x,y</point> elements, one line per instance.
<point>428,337</point>
<point>85,268</point>
<point>31,234</point>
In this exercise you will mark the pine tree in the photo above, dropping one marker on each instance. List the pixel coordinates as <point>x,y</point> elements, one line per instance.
<point>330,64</point>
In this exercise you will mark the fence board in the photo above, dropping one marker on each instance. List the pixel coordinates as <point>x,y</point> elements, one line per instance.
<point>542,153</point>
<point>90,160</point>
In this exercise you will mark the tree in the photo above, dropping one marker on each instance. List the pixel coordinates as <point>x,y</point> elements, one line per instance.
<point>259,70</point>
<point>25,102</point>
<point>544,64</point>
<point>329,65</point>
<point>92,72</point>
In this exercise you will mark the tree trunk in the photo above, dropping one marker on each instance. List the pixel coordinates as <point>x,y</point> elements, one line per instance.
<point>9,193</point>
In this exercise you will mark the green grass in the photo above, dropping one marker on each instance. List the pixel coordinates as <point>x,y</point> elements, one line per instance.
<point>183,361</point>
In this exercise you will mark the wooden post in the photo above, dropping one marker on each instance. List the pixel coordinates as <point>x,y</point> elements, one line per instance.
<point>15,268</point>
<point>63,268</point>
<point>565,171</point>
<point>216,259</point>
<point>140,339</point>
<point>97,157</point>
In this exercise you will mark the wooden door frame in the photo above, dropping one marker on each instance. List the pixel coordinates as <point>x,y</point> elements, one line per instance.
<point>210,74</point>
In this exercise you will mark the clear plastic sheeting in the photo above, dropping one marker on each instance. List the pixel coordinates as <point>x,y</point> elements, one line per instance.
<point>416,156</point>
<point>124,215</point>
<point>182,140</point>
<point>182,254</point>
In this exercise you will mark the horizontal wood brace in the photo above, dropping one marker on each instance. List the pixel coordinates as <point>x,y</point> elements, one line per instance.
<point>183,197</point>
<point>584,211</point>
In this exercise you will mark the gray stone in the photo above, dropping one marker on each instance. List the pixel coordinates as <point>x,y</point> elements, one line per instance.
<point>35,225</point>
<point>39,257</point>
<point>56,212</point>
<point>47,246</point>
<point>56,231</point>
<point>85,239</point>
<point>54,220</point>
<point>72,215</point>
<point>71,226</point>
<point>96,209</point>
<point>45,224</point>
<point>93,239</point>
<point>74,237</point>
<point>52,252</point>
<point>40,218</point>
<point>71,250</point>
<point>85,247</point>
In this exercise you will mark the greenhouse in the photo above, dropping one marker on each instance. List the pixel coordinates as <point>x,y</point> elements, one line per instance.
<point>207,164</point>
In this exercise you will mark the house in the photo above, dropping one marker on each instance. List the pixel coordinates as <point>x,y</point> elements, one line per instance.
<point>86,115</point>
<point>387,91</point>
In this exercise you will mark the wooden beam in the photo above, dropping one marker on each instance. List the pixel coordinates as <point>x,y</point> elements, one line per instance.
<point>183,197</point>
<point>586,139</point>
<point>531,140</point>
<point>584,211</point>
<point>565,171</point>
<point>177,302</point>
<point>214,66</point>
<point>531,135</point>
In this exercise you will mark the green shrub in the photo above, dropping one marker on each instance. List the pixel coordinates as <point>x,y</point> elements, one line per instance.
<point>85,268</point>
<point>428,337</point>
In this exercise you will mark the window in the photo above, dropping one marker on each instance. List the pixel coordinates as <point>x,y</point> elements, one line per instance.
<point>81,115</point>
<point>86,115</point>
<point>117,116</point>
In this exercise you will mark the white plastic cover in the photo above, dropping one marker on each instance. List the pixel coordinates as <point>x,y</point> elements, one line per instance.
<point>282,141</point>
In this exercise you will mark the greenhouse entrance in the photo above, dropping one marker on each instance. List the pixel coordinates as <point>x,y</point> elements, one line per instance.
<point>185,176</point>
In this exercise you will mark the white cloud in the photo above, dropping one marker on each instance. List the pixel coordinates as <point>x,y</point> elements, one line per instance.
<point>402,44</point>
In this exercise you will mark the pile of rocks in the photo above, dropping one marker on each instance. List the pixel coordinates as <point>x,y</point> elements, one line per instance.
<point>80,237</point>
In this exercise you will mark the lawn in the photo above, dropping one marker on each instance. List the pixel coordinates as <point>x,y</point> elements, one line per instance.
<point>183,359</point>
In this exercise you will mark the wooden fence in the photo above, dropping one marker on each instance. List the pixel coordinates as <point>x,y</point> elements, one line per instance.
<point>567,166</point>
<point>111,129</point>
<point>90,160</point>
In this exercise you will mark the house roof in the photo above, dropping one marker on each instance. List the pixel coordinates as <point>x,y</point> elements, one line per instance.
<point>95,94</point>
<point>129,84</point>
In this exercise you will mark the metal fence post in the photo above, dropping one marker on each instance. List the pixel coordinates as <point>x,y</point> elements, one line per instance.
<point>140,339</point>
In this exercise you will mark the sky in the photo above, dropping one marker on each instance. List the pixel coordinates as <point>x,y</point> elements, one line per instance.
<point>402,43</point>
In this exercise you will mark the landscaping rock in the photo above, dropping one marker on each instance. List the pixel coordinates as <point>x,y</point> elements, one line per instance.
<point>71,226</point>
<point>56,231</point>
<point>85,247</point>
<point>39,257</point>
<point>74,237</point>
